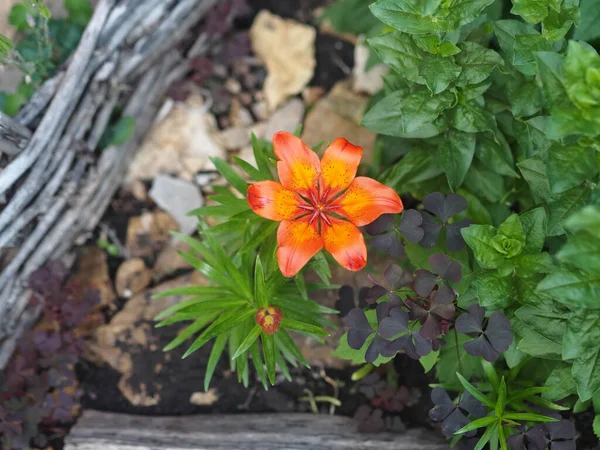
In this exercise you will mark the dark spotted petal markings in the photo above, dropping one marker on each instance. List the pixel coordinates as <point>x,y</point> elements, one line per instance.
<point>431,230</point>
<point>381,224</point>
<point>425,281</point>
<point>471,321</point>
<point>395,323</point>
<point>360,329</point>
<point>410,226</point>
<point>498,332</point>
<point>447,268</point>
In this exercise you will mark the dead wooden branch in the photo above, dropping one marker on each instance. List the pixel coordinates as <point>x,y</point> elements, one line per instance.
<point>58,184</point>
<point>110,431</point>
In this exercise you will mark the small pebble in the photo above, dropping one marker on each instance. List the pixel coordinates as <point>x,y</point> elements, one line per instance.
<point>233,86</point>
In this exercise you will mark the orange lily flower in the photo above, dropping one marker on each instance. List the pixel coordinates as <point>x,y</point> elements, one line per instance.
<point>320,203</point>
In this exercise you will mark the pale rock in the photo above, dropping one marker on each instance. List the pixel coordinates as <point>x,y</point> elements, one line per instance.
<point>132,277</point>
<point>260,110</point>
<point>239,116</point>
<point>177,197</point>
<point>311,94</point>
<point>180,144</point>
<point>287,118</point>
<point>204,398</point>
<point>235,137</point>
<point>146,234</point>
<point>233,86</point>
<point>287,48</point>
<point>169,260</point>
<point>138,190</point>
<point>371,81</point>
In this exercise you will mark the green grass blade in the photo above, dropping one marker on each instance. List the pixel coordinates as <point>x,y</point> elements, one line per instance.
<point>213,359</point>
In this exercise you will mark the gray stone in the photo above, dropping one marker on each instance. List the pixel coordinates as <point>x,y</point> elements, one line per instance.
<point>177,197</point>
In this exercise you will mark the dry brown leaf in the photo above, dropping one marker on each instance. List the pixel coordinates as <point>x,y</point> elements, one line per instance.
<point>132,277</point>
<point>287,49</point>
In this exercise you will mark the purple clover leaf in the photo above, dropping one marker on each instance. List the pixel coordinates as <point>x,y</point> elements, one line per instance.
<point>433,311</point>
<point>395,279</point>
<point>444,268</point>
<point>359,328</point>
<point>443,208</point>
<point>491,339</point>
<point>452,415</point>
<point>387,237</point>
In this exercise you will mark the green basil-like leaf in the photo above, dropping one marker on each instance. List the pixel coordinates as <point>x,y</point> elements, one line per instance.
<point>399,115</point>
<point>586,372</point>
<point>456,154</point>
<point>582,336</point>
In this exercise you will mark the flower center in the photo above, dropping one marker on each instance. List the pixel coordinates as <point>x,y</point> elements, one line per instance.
<point>318,206</point>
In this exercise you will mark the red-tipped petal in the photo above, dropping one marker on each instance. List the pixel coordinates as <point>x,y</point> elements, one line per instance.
<point>345,242</point>
<point>367,199</point>
<point>271,200</point>
<point>339,165</point>
<point>299,167</point>
<point>298,241</point>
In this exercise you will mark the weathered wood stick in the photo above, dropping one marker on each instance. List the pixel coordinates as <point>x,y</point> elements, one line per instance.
<point>109,431</point>
<point>128,57</point>
<point>65,100</point>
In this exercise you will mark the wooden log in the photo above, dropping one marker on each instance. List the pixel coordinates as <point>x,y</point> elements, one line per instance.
<point>109,431</point>
<point>58,184</point>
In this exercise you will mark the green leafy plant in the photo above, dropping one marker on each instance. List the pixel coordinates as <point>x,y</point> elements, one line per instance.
<point>251,307</point>
<point>43,44</point>
<point>489,119</point>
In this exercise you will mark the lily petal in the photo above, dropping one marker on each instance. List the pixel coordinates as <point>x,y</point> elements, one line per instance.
<point>298,241</point>
<point>365,200</point>
<point>269,199</point>
<point>339,165</point>
<point>345,242</point>
<point>299,167</point>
